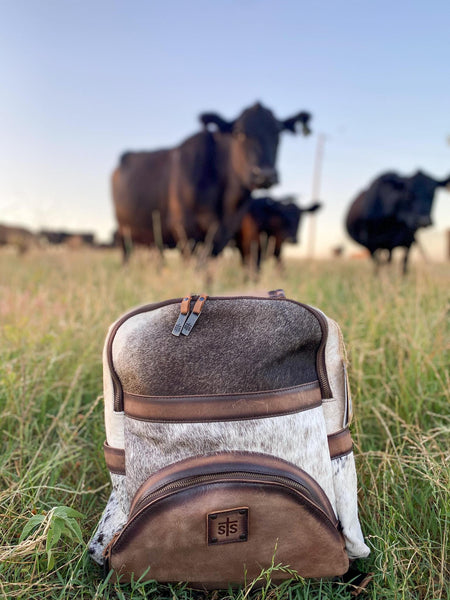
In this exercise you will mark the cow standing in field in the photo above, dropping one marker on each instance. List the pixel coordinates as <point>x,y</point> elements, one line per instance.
<point>199,190</point>
<point>21,238</point>
<point>388,214</point>
<point>269,220</point>
<point>56,237</point>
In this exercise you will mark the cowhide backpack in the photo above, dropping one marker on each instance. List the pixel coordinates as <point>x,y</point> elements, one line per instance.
<point>228,443</point>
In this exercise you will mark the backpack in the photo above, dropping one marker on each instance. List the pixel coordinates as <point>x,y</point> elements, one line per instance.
<point>228,444</point>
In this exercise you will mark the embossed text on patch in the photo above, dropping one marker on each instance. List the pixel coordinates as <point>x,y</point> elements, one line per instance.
<point>228,526</point>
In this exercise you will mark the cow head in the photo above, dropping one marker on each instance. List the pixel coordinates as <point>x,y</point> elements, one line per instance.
<point>254,138</point>
<point>415,211</point>
<point>292,216</point>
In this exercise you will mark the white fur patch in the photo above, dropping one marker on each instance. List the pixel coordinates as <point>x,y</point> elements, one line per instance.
<point>112,520</point>
<point>298,438</point>
<point>345,488</point>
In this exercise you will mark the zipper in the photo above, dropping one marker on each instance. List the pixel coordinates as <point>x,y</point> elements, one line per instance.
<point>320,362</point>
<point>149,499</point>
<point>322,374</point>
<point>187,482</point>
<point>193,317</point>
<point>183,316</point>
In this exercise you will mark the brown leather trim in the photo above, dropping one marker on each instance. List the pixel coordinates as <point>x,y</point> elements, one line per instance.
<point>115,459</point>
<point>226,462</point>
<point>340,443</point>
<point>198,306</point>
<point>185,304</point>
<point>224,407</point>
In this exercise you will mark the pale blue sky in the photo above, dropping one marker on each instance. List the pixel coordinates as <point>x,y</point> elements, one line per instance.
<point>83,81</point>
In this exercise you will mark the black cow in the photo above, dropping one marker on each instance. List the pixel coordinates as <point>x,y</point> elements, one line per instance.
<point>269,219</point>
<point>199,190</point>
<point>388,214</point>
<point>63,237</point>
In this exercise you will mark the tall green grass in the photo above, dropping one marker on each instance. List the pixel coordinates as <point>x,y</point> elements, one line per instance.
<point>55,308</point>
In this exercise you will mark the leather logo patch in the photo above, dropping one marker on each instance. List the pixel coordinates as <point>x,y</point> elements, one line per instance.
<point>228,526</point>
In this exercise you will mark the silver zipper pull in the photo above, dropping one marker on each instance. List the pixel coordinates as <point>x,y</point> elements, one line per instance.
<point>182,317</point>
<point>192,320</point>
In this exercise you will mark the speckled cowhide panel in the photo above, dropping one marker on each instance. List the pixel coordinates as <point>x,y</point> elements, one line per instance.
<point>298,438</point>
<point>345,490</point>
<point>112,520</point>
<point>231,349</point>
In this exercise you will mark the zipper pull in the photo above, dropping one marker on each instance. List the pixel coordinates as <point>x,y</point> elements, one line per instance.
<point>182,317</point>
<point>198,306</point>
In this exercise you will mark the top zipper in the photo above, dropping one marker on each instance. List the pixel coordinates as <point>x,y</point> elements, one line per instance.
<point>183,316</point>
<point>320,362</point>
<point>193,317</point>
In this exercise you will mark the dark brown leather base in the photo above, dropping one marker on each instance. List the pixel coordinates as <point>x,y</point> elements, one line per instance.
<point>171,537</point>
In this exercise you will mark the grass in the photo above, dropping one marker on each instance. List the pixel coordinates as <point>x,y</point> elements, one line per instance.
<point>55,308</point>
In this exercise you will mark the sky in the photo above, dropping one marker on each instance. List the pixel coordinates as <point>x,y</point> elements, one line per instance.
<point>82,81</point>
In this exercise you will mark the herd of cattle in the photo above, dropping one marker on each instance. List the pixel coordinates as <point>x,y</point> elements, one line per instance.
<point>23,239</point>
<point>201,192</point>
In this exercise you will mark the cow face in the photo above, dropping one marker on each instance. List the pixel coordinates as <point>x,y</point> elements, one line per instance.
<point>420,190</point>
<point>291,218</point>
<point>290,221</point>
<point>254,138</point>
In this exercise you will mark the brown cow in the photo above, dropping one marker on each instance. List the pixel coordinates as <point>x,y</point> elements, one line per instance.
<point>200,190</point>
<point>269,220</point>
<point>21,238</point>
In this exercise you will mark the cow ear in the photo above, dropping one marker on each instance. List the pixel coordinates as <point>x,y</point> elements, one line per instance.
<point>290,124</point>
<point>214,119</point>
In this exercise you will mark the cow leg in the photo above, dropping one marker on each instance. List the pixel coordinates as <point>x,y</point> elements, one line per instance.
<point>263,246</point>
<point>183,242</point>
<point>249,246</point>
<point>254,260</point>
<point>157,235</point>
<point>205,249</point>
<point>277,253</point>
<point>405,260</point>
<point>127,246</point>
<point>376,262</point>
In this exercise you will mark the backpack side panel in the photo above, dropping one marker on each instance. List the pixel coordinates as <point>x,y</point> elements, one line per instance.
<point>338,415</point>
<point>115,513</point>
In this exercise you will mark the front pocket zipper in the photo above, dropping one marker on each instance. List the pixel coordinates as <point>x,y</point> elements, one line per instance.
<point>236,476</point>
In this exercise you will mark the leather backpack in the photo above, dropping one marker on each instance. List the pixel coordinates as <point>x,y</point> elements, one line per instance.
<point>228,444</point>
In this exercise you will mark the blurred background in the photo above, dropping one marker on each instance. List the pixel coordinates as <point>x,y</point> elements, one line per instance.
<point>84,81</point>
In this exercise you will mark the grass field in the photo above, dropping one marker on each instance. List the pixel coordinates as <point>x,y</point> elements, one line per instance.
<point>55,308</point>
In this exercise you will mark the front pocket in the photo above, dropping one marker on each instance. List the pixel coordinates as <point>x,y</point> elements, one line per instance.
<point>219,519</point>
